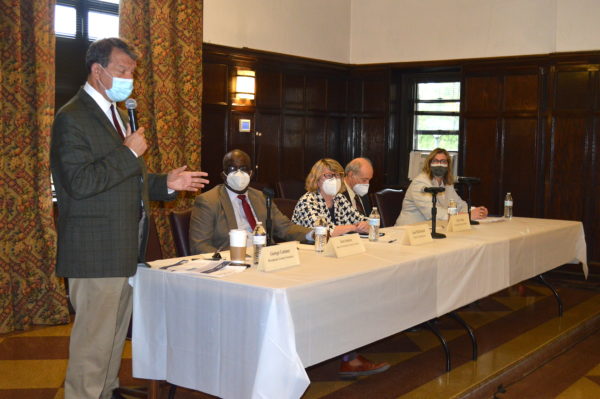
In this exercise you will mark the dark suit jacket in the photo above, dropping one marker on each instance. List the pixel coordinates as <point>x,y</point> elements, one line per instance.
<point>99,185</point>
<point>365,200</point>
<point>213,217</point>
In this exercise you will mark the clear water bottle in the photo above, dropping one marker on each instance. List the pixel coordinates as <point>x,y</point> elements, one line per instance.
<point>452,208</point>
<point>508,206</point>
<point>374,221</point>
<point>259,240</point>
<point>320,230</point>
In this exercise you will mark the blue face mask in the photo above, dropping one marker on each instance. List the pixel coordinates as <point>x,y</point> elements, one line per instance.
<point>121,88</point>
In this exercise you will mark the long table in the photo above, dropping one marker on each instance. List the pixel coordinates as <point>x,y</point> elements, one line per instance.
<point>251,335</point>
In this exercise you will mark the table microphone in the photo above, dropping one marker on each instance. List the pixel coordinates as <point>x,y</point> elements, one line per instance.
<point>131,105</point>
<point>432,190</point>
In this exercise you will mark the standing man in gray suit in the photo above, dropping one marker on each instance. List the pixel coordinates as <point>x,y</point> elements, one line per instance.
<point>103,192</point>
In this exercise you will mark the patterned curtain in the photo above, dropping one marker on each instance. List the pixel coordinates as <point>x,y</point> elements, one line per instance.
<point>30,293</point>
<point>167,34</point>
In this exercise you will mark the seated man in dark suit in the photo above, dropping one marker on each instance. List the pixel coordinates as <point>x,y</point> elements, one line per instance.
<point>359,172</point>
<point>234,205</point>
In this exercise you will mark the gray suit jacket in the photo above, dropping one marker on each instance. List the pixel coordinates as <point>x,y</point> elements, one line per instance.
<point>100,186</point>
<point>213,217</point>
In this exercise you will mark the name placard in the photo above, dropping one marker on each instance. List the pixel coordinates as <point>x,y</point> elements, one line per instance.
<point>417,235</point>
<point>278,257</point>
<point>459,222</point>
<point>344,246</point>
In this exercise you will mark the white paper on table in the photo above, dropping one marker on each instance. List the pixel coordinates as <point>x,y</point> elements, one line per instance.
<point>492,220</point>
<point>214,269</point>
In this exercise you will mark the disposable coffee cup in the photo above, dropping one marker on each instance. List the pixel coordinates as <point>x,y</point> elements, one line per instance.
<point>237,245</point>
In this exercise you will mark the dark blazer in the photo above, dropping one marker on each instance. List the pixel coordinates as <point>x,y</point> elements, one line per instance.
<point>100,186</point>
<point>366,201</point>
<point>213,217</point>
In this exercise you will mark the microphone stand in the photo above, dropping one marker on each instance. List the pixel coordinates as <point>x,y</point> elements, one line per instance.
<point>434,217</point>
<point>269,222</point>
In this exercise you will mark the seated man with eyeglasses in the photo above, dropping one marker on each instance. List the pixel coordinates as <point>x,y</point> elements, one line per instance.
<point>234,205</point>
<point>437,172</point>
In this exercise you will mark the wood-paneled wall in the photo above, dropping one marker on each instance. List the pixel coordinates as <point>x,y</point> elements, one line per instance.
<point>530,125</point>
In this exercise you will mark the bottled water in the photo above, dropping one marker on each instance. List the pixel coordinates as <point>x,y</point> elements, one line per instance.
<point>374,221</point>
<point>508,206</point>
<point>259,240</point>
<point>452,209</point>
<point>320,230</point>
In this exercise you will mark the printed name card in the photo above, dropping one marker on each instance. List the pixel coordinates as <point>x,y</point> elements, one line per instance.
<point>278,257</point>
<point>417,235</point>
<point>344,246</point>
<point>459,222</point>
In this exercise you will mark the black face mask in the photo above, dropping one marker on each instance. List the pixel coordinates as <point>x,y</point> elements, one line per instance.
<point>439,171</point>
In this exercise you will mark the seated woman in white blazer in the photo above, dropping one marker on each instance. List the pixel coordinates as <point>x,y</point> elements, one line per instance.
<point>437,172</point>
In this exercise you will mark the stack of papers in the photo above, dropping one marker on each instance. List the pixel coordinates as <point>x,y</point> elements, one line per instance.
<point>202,267</point>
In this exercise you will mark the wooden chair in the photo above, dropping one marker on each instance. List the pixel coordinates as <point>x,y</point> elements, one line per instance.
<point>290,189</point>
<point>180,228</point>
<point>286,205</point>
<point>389,203</point>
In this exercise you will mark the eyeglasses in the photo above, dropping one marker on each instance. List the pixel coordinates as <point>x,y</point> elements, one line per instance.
<point>328,176</point>
<point>233,168</point>
<point>439,163</point>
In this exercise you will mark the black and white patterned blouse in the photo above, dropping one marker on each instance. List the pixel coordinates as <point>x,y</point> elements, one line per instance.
<point>312,205</point>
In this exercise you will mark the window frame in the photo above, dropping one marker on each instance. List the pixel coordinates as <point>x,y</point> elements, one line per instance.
<point>82,8</point>
<point>434,78</point>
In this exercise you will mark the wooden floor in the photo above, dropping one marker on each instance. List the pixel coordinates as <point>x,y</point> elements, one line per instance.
<point>525,351</point>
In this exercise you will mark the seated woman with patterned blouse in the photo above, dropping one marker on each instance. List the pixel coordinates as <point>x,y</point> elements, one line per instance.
<point>324,199</point>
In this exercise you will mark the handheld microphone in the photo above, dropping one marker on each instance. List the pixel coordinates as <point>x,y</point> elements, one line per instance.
<point>131,105</point>
<point>434,190</point>
<point>469,180</point>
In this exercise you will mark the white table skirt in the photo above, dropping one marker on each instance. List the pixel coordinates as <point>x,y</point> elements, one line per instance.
<point>251,335</point>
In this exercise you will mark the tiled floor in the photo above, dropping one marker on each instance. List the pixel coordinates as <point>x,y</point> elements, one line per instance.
<point>511,325</point>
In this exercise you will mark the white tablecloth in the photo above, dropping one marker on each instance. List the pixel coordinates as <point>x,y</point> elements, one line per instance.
<point>252,334</point>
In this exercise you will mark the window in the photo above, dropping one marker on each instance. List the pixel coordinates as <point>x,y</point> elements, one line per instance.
<point>87,19</point>
<point>436,115</point>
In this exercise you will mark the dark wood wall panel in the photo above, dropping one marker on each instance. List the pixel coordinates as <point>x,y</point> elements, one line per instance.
<point>215,79</point>
<point>521,93</point>
<point>567,180</point>
<point>292,148</point>
<point>315,144</point>
<point>480,160</point>
<point>214,128</point>
<point>268,89</point>
<point>316,94</point>
<point>573,90</point>
<point>243,141</point>
<point>482,94</point>
<point>337,95</point>
<point>519,164</point>
<point>373,146</point>
<point>268,147</point>
<point>293,91</point>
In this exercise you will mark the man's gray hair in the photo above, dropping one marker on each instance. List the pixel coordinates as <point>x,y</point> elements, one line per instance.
<point>354,165</point>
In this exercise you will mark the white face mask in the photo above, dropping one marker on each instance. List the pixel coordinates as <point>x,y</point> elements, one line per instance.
<point>332,186</point>
<point>238,180</point>
<point>361,189</point>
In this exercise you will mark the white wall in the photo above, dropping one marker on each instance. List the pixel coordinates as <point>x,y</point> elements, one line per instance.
<point>578,25</point>
<point>308,28</point>
<point>377,31</point>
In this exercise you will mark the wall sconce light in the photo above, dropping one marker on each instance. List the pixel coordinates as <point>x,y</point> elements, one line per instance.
<point>244,87</point>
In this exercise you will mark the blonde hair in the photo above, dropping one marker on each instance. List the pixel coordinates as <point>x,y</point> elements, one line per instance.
<point>449,177</point>
<point>316,171</point>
